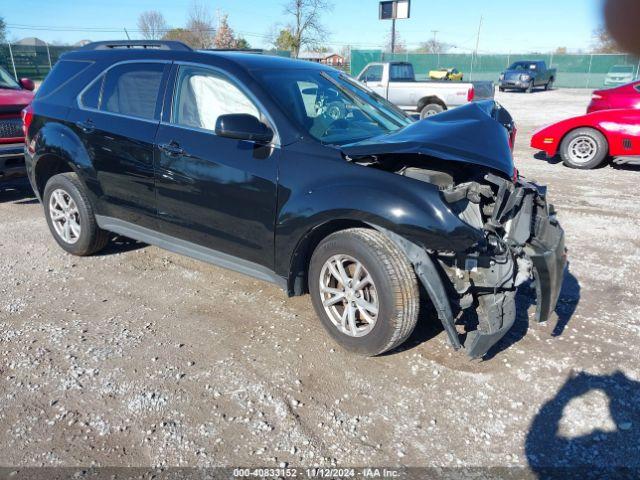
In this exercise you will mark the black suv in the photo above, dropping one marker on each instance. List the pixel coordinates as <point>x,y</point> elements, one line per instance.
<point>296,174</point>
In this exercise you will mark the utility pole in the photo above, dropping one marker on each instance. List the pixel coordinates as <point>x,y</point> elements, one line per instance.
<point>475,53</point>
<point>435,45</point>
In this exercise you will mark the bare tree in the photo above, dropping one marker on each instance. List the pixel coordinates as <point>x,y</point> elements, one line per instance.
<point>433,46</point>
<point>399,47</point>
<point>604,42</point>
<point>152,25</point>
<point>306,27</point>
<point>200,25</point>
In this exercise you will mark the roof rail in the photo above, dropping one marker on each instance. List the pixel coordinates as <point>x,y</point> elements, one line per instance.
<point>142,44</point>
<point>241,50</point>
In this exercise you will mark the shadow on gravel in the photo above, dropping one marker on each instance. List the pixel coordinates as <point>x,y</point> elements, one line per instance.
<point>120,244</point>
<point>608,450</point>
<point>526,298</point>
<point>17,191</point>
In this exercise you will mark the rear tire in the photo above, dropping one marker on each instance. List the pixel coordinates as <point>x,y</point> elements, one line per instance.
<point>584,148</point>
<point>430,110</point>
<point>71,217</point>
<point>392,290</point>
<point>549,85</point>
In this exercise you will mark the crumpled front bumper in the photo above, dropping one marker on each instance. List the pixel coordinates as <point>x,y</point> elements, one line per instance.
<point>530,245</point>
<point>548,253</point>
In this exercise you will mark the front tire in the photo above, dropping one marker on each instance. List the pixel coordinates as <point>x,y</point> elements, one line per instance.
<point>71,217</point>
<point>364,290</point>
<point>584,148</point>
<point>529,89</point>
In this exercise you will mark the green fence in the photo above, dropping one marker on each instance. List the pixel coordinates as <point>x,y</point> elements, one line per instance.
<point>575,71</point>
<point>36,61</point>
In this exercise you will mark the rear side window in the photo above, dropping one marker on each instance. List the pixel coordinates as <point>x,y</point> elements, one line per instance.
<point>61,73</point>
<point>401,72</point>
<point>130,89</point>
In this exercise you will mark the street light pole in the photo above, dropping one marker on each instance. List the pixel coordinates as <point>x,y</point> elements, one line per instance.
<point>393,36</point>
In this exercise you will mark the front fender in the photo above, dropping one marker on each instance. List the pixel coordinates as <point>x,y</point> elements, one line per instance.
<point>409,208</point>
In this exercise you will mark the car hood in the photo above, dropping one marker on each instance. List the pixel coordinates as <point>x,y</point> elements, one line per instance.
<point>14,100</point>
<point>474,134</point>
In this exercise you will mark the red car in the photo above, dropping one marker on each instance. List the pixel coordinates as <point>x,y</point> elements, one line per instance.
<point>585,142</point>
<point>14,96</point>
<point>625,96</point>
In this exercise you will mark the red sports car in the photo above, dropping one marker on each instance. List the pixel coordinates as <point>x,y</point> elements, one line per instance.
<point>625,96</point>
<point>585,142</point>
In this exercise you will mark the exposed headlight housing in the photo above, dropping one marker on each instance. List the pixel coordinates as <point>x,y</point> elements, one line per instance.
<point>502,76</point>
<point>525,78</point>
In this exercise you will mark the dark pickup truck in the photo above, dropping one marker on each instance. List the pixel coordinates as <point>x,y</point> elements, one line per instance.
<point>526,76</point>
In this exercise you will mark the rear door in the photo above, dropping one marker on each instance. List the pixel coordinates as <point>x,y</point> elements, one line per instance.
<point>215,192</point>
<point>117,120</point>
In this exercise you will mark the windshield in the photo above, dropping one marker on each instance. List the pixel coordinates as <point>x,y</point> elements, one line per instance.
<point>622,69</point>
<point>331,107</point>
<point>6,80</point>
<point>523,66</point>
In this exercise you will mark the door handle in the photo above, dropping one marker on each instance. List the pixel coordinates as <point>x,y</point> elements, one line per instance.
<point>86,127</point>
<point>172,149</point>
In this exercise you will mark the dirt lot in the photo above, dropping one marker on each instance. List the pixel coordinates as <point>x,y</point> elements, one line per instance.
<point>138,357</point>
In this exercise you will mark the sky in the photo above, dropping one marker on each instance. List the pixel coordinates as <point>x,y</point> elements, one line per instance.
<point>508,26</point>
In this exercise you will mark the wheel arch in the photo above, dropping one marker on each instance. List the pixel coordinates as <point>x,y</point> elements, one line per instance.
<point>58,149</point>
<point>299,267</point>
<point>47,166</point>
<point>424,101</point>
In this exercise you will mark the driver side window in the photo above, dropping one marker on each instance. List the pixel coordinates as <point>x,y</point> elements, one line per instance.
<point>201,96</point>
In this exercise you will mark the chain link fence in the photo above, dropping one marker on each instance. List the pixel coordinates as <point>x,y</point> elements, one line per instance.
<point>574,71</point>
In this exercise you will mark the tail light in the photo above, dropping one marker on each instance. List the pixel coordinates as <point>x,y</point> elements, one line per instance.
<point>596,96</point>
<point>471,94</point>
<point>27,118</point>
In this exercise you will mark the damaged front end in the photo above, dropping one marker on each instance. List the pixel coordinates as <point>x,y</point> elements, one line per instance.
<point>523,242</point>
<point>466,155</point>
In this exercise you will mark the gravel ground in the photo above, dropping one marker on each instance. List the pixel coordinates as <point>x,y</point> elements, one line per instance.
<point>138,357</point>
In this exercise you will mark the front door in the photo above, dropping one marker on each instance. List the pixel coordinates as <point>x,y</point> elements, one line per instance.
<point>216,192</point>
<point>117,120</point>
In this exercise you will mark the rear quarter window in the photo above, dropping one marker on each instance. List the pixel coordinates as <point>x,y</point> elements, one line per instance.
<point>61,73</point>
<point>132,89</point>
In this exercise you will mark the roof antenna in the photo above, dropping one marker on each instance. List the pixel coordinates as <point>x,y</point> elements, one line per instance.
<point>127,33</point>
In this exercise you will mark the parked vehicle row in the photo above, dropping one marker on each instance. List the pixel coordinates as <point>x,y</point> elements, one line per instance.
<point>295,173</point>
<point>14,96</point>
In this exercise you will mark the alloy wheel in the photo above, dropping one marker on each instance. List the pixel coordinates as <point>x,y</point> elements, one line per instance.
<point>65,216</point>
<point>349,295</point>
<point>582,149</point>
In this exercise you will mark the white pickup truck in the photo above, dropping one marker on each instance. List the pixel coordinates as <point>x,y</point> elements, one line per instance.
<point>396,82</point>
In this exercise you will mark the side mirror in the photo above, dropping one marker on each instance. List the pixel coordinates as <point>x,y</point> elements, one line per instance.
<point>27,84</point>
<point>242,126</point>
